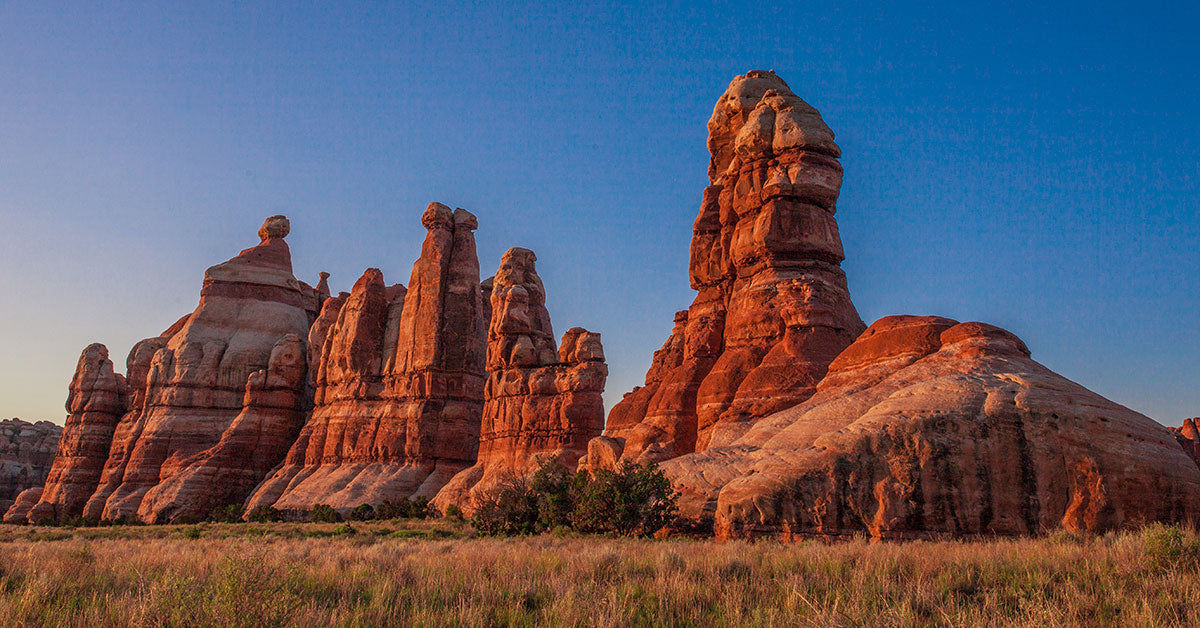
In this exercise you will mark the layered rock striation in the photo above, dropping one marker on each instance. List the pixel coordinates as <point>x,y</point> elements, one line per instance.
<point>139,449</point>
<point>399,379</point>
<point>930,427</point>
<point>772,309</point>
<point>542,402</point>
<point>26,453</point>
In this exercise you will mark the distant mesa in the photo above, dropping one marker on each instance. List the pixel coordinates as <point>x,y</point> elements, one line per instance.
<point>771,407</point>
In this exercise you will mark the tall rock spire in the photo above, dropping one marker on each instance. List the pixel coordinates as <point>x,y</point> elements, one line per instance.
<point>772,309</point>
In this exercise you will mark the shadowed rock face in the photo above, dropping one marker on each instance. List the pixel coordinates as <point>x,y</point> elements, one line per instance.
<point>925,427</point>
<point>399,382</point>
<point>542,402</point>
<point>26,453</point>
<point>773,308</point>
<point>143,449</point>
<point>1188,436</point>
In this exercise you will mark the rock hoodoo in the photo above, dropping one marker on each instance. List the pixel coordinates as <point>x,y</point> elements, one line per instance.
<point>541,402</point>
<point>770,418</point>
<point>26,453</point>
<point>769,407</point>
<point>399,382</point>
<point>773,309</point>
<point>130,448</point>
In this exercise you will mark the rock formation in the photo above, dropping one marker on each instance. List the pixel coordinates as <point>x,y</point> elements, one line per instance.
<point>541,402</point>
<point>399,382</point>
<point>1188,436</point>
<point>773,309</point>
<point>95,402</point>
<point>234,357</point>
<point>925,427</point>
<point>26,453</point>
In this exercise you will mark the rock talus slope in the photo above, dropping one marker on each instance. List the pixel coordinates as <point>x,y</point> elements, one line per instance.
<point>542,402</point>
<point>399,382</point>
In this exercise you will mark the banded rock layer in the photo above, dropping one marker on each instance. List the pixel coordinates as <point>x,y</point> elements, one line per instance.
<point>144,448</point>
<point>399,382</point>
<point>928,427</point>
<point>772,309</point>
<point>541,402</point>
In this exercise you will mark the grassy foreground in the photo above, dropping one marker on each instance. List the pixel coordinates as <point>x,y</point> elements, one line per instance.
<point>436,574</point>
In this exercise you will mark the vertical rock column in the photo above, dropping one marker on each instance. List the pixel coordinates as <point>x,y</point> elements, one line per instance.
<point>399,382</point>
<point>541,402</point>
<point>95,403</point>
<point>772,309</point>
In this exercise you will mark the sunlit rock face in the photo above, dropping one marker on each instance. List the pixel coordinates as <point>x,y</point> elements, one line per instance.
<point>542,402</point>
<point>773,309</point>
<point>144,448</point>
<point>26,453</point>
<point>399,382</point>
<point>930,427</point>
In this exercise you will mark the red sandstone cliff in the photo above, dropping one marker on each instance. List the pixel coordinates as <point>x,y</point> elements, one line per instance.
<point>925,426</point>
<point>541,401</point>
<point>399,382</point>
<point>130,449</point>
<point>773,309</point>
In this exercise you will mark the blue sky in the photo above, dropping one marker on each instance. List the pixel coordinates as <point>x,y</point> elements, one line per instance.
<point>1034,167</point>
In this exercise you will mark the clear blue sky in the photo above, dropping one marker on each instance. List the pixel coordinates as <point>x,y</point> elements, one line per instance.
<point>1033,165</point>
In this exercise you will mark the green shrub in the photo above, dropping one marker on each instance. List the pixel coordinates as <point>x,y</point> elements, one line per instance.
<point>324,513</point>
<point>364,512</point>
<point>453,512</point>
<point>633,500</point>
<point>262,514</point>
<point>1168,546</point>
<point>231,513</point>
<point>343,529</point>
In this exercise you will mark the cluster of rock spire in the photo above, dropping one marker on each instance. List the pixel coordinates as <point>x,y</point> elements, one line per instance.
<point>771,407</point>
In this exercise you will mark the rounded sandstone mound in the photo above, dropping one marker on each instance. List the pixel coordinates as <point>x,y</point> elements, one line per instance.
<point>926,427</point>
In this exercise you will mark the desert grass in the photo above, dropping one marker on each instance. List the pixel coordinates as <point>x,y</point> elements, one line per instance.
<point>439,574</point>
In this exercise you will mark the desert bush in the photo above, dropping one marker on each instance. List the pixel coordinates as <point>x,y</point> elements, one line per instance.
<point>453,512</point>
<point>415,508</point>
<point>324,513</point>
<point>633,500</point>
<point>262,514</point>
<point>230,513</point>
<point>362,512</point>
<point>511,508</point>
<point>1169,546</point>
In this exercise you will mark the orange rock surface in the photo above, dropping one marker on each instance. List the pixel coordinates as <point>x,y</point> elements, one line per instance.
<point>542,402</point>
<point>399,382</point>
<point>773,308</point>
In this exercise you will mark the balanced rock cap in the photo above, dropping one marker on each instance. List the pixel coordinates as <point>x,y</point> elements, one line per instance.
<point>276,226</point>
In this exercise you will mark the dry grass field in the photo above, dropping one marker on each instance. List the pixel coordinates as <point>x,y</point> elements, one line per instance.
<point>439,574</point>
